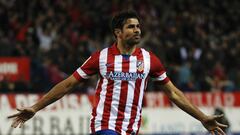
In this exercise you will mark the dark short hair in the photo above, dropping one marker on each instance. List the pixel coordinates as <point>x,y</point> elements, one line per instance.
<point>120,19</point>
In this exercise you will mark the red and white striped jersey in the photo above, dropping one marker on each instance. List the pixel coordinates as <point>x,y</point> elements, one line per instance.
<point>120,88</point>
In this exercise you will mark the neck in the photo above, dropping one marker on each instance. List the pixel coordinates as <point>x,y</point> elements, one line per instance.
<point>125,48</point>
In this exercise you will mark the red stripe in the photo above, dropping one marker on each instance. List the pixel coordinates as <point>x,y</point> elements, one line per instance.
<point>123,97</point>
<point>135,99</point>
<point>140,120</point>
<point>94,110</point>
<point>108,97</point>
<point>134,106</point>
<point>166,80</point>
<point>77,76</point>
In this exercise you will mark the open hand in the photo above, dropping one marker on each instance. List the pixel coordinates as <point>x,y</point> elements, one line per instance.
<point>213,126</point>
<point>22,116</point>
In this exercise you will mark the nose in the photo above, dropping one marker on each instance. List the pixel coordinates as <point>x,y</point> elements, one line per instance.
<point>137,30</point>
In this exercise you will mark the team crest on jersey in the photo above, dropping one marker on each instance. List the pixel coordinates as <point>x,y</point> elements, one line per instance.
<point>140,65</point>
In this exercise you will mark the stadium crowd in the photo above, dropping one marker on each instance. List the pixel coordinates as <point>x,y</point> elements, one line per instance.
<point>197,41</point>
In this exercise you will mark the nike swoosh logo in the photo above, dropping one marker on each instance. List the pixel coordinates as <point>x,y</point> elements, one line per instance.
<point>109,64</point>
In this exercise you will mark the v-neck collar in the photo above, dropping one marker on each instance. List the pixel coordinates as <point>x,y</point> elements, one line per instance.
<point>116,51</point>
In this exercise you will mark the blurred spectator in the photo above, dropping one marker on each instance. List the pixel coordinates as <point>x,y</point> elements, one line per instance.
<point>6,86</point>
<point>21,86</point>
<point>67,32</point>
<point>55,75</point>
<point>219,80</point>
<point>184,77</point>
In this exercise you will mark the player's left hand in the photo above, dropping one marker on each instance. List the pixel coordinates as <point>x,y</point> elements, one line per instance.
<point>213,126</point>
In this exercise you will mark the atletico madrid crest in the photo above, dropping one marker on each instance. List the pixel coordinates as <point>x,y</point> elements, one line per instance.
<point>140,65</point>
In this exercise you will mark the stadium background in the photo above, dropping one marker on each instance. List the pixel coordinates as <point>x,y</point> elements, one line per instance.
<point>42,42</point>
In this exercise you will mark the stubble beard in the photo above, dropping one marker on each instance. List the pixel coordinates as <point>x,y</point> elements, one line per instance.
<point>132,42</point>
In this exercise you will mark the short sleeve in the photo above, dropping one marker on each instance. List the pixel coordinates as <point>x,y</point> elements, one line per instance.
<point>157,71</point>
<point>89,67</point>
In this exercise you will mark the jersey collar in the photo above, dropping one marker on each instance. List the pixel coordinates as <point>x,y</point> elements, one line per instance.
<point>116,51</point>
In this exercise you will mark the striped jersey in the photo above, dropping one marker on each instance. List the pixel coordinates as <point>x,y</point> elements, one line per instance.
<point>120,88</point>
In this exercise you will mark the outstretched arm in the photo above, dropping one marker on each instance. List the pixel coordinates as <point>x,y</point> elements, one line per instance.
<point>57,92</point>
<point>176,96</point>
<point>90,67</point>
<point>53,95</point>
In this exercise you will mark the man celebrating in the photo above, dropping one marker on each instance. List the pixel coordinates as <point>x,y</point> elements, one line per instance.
<point>124,70</point>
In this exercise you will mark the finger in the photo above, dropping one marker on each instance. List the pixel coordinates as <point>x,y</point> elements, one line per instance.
<point>14,115</point>
<point>215,132</point>
<point>20,109</point>
<point>218,133</point>
<point>220,130</point>
<point>13,123</point>
<point>222,125</point>
<point>22,123</point>
<point>218,116</point>
<point>16,122</point>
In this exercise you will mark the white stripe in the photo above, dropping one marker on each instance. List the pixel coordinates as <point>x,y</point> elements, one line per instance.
<point>98,82</point>
<point>130,95</point>
<point>116,93</point>
<point>123,132</point>
<point>103,61</point>
<point>146,60</point>
<point>161,77</point>
<point>103,70</point>
<point>82,73</point>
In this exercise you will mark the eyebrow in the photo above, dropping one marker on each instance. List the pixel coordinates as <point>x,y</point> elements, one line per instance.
<point>132,25</point>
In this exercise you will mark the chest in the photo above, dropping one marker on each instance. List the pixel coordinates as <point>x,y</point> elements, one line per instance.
<point>129,68</point>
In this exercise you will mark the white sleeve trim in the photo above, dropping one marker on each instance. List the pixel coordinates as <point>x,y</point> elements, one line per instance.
<point>82,73</point>
<point>161,77</point>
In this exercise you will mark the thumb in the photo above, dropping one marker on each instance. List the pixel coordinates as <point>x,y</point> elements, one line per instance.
<point>218,116</point>
<point>20,109</point>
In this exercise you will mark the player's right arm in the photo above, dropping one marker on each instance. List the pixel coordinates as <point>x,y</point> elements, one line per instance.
<point>53,95</point>
<point>57,92</point>
<point>89,67</point>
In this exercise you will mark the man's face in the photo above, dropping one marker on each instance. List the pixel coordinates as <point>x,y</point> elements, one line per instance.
<point>131,32</point>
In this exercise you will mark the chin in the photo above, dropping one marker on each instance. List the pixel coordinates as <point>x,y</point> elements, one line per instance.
<point>133,42</point>
<point>137,42</point>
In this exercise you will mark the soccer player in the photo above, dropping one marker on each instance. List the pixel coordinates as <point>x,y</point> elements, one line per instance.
<point>124,70</point>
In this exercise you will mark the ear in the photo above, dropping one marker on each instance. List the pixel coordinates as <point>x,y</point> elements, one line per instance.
<point>117,32</point>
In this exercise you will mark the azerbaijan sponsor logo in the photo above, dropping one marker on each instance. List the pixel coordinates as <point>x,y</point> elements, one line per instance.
<point>128,76</point>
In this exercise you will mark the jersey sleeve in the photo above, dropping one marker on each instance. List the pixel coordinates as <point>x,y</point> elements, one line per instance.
<point>89,67</point>
<point>157,71</point>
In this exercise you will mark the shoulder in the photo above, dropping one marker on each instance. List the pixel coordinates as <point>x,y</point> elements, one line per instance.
<point>155,60</point>
<point>106,49</point>
<point>103,50</point>
<point>96,53</point>
<point>145,50</point>
<point>148,52</point>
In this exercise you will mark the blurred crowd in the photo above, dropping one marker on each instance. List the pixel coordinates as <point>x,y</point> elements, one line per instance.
<point>197,41</point>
